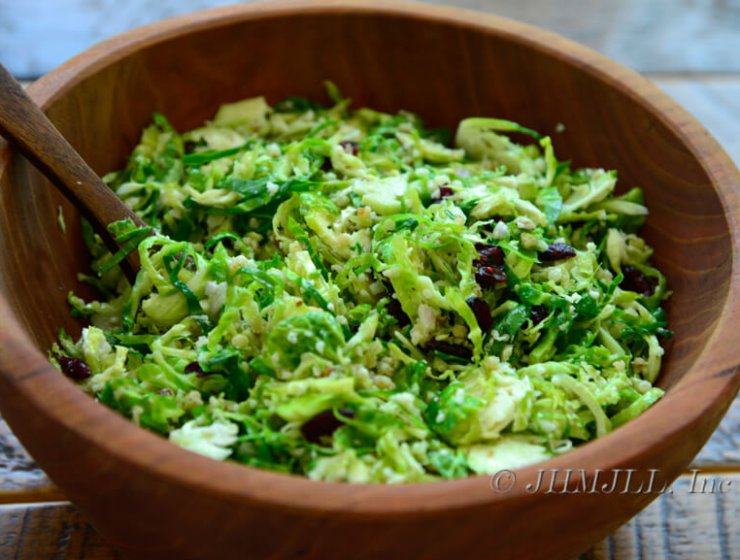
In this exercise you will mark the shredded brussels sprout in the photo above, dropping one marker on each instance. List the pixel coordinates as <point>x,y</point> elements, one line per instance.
<point>339,293</point>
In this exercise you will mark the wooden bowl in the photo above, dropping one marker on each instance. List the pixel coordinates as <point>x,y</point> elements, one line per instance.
<point>154,500</point>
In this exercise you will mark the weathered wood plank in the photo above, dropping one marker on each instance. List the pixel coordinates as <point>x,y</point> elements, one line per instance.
<point>687,523</point>
<point>648,35</point>
<point>49,531</point>
<point>21,480</point>
<point>724,446</point>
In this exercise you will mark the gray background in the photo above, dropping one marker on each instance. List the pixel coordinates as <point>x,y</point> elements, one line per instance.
<point>647,35</point>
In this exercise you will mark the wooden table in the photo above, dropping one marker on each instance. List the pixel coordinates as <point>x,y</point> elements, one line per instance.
<point>36,522</point>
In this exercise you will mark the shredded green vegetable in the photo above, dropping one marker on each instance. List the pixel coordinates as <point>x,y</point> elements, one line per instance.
<point>60,220</point>
<point>339,293</point>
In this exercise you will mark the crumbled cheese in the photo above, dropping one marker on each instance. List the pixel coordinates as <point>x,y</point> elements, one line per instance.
<point>273,150</point>
<point>424,327</point>
<point>525,223</point>
<point>642,386</point>
<point>383,382</point>
<point>376,288</point>
<point>491,363</point>
<point>405,399</point>
<point>191,400</point>
<point>501,231</point>
<point>216,294</point>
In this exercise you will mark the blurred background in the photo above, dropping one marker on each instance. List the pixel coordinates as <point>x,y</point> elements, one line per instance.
<point>647,35</point>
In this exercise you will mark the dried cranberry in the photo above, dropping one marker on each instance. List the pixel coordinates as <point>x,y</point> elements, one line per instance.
<point>194,367</point>
<point>635,280</point>
<point>74,368</point>
<point>489,276</point>
<point>457,350</point>
<point>444,192</point>
<point>556,252</point>
<point>324,424</point>
<point>396,311</point>
<point>482,313</point>
<point>489,255</point>
<point>350,147</point>
<point>537,314</point>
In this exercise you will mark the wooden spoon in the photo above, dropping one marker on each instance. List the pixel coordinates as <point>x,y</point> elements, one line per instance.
<point>24,125</point>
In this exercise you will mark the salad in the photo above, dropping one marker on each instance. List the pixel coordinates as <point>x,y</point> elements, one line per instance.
<point>347,295</point>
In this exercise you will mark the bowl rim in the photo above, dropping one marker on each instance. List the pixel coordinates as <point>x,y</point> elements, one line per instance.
<point>711,381</point>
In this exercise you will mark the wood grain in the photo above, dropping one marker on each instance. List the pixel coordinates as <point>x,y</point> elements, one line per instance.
<point>50,531</point>
<point>21,479</point>
<point>715,102</point>
<point>24,125</point>
<point>154,500</point>
<point>683,524</point>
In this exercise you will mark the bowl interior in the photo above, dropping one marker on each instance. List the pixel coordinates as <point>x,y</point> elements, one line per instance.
<point>432,67</point>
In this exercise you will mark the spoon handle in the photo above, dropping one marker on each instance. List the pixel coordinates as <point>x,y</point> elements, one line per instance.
<point>26,126</point>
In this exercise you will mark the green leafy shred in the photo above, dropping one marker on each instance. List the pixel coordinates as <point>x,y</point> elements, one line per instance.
<point>311,297</point>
